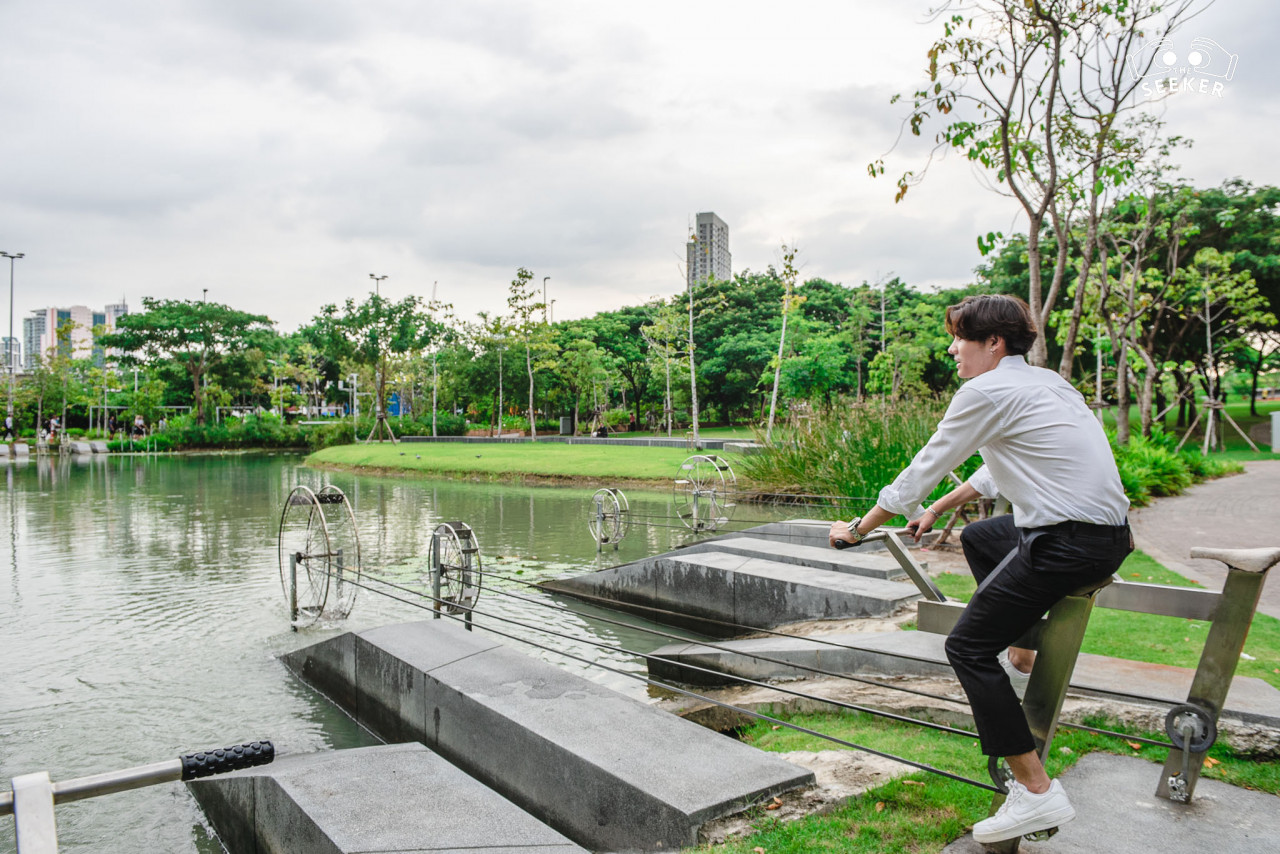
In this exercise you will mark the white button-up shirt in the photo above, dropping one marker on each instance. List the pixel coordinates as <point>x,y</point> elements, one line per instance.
<point>1041,448</point>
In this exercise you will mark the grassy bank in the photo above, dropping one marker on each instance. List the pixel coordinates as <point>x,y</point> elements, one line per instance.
<point>923,812</point>
<point>552,460</point>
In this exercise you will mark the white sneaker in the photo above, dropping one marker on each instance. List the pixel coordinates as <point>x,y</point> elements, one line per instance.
<point>1025,812</point>
<point>1017,678</point>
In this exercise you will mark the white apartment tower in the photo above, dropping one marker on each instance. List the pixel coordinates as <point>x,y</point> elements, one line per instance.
<point>41,338</point>
<point>707,252</point>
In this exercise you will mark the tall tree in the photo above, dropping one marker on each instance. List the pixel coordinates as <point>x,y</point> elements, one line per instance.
<point>1032,90</point>
<point>195,334</point>
<point>370,333</point>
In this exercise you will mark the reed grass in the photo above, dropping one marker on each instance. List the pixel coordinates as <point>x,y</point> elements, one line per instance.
<point>853,449</point>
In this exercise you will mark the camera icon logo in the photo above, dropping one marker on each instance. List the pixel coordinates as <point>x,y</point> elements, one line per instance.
<point>1163,60</point>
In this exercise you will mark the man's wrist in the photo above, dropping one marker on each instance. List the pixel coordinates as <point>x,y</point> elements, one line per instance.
<point>853,529</point>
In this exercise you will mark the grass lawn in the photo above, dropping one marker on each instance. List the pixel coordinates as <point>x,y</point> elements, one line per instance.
<point>502,461</point>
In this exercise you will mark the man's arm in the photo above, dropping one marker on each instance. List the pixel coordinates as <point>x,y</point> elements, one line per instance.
<point>962,494</point>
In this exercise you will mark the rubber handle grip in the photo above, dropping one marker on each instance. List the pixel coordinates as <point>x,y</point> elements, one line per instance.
<point>842,544</point>
<point>206,763</point>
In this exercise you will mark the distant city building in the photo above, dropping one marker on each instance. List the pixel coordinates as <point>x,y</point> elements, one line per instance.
<point>12,354</point>
<point>33,329</point>
<point>707,252</point>
<point>41,336</point>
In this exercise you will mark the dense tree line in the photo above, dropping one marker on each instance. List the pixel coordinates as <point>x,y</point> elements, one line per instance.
<point>1167,260</point>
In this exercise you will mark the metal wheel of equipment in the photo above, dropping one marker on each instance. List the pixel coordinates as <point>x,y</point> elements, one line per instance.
<point>304,540</point>
<point>455,559</point>
<point>344,544</point>
<point>1190,728</point>
<point>610,519</point>
<point>703,492</point>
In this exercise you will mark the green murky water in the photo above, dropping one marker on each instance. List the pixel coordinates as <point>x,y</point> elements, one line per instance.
<point>141,614</point>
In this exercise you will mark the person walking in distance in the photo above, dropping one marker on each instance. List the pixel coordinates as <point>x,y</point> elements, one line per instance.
<point>1043,450</point>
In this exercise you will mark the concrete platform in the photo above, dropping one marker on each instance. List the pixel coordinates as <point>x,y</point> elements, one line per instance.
<point>1250,700</point>
<point>393,798</point>
<point>611,773</point>
<point>706,589</point>
<point>853,562</point>
<point>1117,812</point>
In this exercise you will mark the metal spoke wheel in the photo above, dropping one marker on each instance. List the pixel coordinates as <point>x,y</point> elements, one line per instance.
<point>703,492</point>
<point>344,544</point>
<point>610,516</point>
<point>455,566</point>
<point>304,556</point>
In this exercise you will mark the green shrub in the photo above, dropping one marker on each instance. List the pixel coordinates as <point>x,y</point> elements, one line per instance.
<point>854,449</point>
<point>1151,466</point>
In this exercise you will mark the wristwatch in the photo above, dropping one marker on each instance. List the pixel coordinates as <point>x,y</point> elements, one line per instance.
<point>853,530</point>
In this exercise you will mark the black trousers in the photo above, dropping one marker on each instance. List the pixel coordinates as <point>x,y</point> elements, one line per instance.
<point>1021,574</point>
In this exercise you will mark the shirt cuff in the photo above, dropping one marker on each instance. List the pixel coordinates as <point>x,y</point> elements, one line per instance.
<point>982,481</point>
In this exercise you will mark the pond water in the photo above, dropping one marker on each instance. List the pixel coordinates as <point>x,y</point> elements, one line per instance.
<point>141,613</point>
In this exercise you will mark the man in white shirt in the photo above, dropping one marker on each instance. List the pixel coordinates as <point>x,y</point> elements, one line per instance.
<point>1044,451</point>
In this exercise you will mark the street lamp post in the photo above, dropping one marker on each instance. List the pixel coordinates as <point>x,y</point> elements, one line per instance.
<point>12,256</point>
<point>377,280</point>
<point>544,298</point>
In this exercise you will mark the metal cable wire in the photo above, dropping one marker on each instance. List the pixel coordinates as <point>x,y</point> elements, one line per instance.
<point>675,689</point>
<point>713,645</point>
<point>889,686</point>
<point>755,629</point>
<point>687,666</point>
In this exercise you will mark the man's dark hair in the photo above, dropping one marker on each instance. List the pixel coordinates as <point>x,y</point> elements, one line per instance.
<point>979,317</point>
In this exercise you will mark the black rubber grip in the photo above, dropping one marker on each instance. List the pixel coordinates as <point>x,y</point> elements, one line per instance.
<point>206,763</point>
<point>842,544</point>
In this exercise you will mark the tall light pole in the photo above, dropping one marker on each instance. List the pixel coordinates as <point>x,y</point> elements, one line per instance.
<point>544,298</point>
<point>377,280</point>
<point>8,354</point>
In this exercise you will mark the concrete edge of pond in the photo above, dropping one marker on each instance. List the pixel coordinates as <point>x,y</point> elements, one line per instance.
<point>389,798</point>
<point>609,772</point>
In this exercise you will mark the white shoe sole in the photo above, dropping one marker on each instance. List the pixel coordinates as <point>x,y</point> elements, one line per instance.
<point>1041,822</point>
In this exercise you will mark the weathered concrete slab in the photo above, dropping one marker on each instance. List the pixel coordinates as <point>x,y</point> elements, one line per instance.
<point>99,447</point>
<point>879,653</point>
<point>1250,700</point>
<point>1117,811</point>
<point>851,561</point>
<point>21,449</point>
<point>609,772</point>
<point>80,447</point>
<point>707,589</point>
<point>393,798</point>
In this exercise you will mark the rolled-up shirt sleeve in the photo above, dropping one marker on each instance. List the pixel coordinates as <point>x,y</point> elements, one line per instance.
<point>970,422</point>
<point>982,481</point>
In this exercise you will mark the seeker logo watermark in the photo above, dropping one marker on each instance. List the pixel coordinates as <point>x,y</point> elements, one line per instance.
<point>1203,69</point>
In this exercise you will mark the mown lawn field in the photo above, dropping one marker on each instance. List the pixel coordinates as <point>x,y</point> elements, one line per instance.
<point>502,461</point>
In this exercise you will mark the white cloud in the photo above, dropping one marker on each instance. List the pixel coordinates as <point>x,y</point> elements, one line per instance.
<point>277,152</point>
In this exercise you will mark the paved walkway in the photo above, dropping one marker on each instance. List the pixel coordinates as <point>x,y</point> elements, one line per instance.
<point>1242,511</point>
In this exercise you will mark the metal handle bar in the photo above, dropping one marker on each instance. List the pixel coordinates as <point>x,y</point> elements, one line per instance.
<point>190,766</point>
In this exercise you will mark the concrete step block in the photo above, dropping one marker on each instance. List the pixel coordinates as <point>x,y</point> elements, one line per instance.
<point>611,773</point>
<point>392,798</point>
<point>869,564</point>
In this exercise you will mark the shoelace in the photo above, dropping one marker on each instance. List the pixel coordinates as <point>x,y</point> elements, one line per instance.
<point>1015,791</point>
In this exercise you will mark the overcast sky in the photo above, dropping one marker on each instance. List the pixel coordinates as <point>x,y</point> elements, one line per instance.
<point>277,152</point>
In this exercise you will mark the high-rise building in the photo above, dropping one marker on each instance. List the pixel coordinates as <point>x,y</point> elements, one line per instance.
<point>707,252</point>
<point>33,329</point>
<point>68,331</point>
